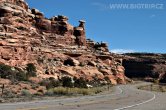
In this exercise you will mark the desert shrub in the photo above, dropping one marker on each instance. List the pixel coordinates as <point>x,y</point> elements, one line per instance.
<point>8,72</point>
<point>19,20</point>
<point>46,83</point>
<point>156,81</point>
<point>25,93</point>
<point>8,94</point>
<point>31,70</point>
<point>21,76</point>
<point>49,92</point>
<point>67,82</point>
<point>74,91</point>
<point>21,28</point>
<point>106,78</point>
<point>54,82</point>
<point>50,83</point>
<point>5,71</point>
<point>61,91</point>
<point>80,83</point>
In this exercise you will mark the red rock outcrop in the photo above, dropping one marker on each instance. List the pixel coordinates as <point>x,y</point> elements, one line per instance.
<point>145,66</point>
<point>55,47</point>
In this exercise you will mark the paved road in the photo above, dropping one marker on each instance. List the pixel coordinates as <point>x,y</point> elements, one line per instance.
<point>125,97</point>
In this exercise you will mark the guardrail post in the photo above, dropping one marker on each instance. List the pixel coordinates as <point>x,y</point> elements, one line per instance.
<point>2,87</point>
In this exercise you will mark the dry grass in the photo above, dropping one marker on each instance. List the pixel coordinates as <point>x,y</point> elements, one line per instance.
<point>76,91</point>
<point>154,87</point>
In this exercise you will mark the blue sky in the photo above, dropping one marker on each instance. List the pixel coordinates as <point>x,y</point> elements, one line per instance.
<point>138,30</point>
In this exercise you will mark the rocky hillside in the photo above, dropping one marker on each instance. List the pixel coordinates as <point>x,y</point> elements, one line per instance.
<point>145,65</point>
<point>54,46</point>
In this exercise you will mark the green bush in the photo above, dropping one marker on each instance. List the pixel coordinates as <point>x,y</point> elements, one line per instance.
<point>8,72</point>
<point>20,75</point>
<point>25,93</point>
<point>17,74</point>
<point>46,83</point>
<point>5,71</point>
<point>31,70</point>
<point>50,83</point>
<point>80,83</point>
<point>67,82</point>
<point>55,83</point>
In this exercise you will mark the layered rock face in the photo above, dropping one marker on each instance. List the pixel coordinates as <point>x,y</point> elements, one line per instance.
<point>147,66</point>
<point>55,47</point>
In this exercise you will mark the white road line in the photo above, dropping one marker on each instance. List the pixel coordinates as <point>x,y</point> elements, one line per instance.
<point>130,106</point>
<point>103,95</point>
<point>120,91</point>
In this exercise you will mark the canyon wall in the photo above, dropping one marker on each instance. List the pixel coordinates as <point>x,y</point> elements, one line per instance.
<point>145,66</point>
<point>55,47</point>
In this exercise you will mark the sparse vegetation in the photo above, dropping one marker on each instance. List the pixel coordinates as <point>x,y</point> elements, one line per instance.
<point>64,86</point>
<point>21,28</point>
<point>17,74</point>
<point>8,72</point>
<point>50,83</point>
<point>69,86</point>
<point>75,91</point>
<point>25,93</point>
<point>14,73</point>
<point>19,21</point>
<point>21,75</point>
<point>154,87</point>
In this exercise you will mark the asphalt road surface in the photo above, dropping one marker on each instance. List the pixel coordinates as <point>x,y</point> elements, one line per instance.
<point>125,97</point>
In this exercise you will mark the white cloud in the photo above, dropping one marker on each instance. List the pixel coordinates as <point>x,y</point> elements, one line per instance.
<point>121,51</point>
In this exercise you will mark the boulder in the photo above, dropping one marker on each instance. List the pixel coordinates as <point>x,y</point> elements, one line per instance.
<point>5,9</point>
<point>120,69</point>
<point>37,13</point>
<point>6,56</point>
<point>44,25</point>
<point>112,79</point>
<point>3,43</point>
<point>82,24</point>
<point>22,4</point>
<point>121,79</point>
<point>105,71</point>
<point>67,71</point>
<point>62,18</point>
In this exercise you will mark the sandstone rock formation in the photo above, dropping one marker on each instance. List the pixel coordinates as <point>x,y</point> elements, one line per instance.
<point>55,47</point>
<point>145,66</point>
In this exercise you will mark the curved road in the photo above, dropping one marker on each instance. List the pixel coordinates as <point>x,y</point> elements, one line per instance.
<point>125,97</point>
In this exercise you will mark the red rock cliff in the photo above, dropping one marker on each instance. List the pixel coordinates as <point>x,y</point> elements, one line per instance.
<point>53,45</point>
